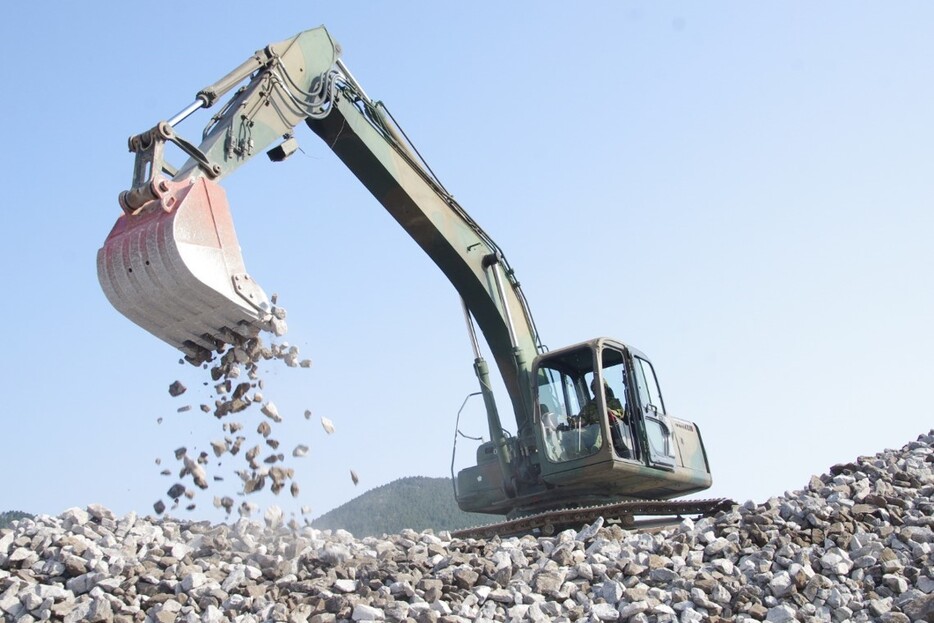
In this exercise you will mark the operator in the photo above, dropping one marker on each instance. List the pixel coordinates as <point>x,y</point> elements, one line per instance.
<point>589,414</point>
<point>619,426</point>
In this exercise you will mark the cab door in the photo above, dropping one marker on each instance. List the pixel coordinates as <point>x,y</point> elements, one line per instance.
<point>660,451</point>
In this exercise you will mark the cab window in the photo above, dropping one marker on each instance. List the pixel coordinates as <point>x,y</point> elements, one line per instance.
<point>563,394</point>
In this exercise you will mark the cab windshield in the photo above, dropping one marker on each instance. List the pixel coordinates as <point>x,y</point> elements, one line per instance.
<point>569,398</point>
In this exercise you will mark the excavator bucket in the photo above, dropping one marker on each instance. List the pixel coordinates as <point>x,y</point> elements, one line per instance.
<point>173,266</point>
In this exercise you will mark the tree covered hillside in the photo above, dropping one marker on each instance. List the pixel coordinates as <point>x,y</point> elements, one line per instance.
<point>416,502</point>
<point>7,517</point>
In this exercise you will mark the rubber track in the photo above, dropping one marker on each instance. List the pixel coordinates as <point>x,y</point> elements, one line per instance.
<point>552,521</point>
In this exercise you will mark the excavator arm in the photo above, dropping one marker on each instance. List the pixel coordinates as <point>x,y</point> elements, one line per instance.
<point>172,262</point>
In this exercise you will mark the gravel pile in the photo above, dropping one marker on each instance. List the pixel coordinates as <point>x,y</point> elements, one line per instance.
<point>854,545</point>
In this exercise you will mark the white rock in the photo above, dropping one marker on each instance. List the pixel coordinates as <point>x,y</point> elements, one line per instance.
<point>781,613</point>
<point>588,532</point>
<point>213,614</point>
<point>632,609</point>
<point>363,612</point>
<point>271,411</point>
<point>11,603</point>
<point>345,586</point>
<point>79,613</point>
<point>74,517</point>
<point>606,612</point>
<point>193,580</point>
<point>252,572</point>
<point>690,615</point>
<point>836,561</point>
<point>53,591</point>
<point>273,517</point>
<point>5,541</point>
<point>781,584</point>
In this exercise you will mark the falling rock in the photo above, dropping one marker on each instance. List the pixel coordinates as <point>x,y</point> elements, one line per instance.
<point>252,453</point>
<point>197,473</point>
<point>327,424</point>
<point>273,517</point>
<point>254,484</point>
<point>278,326</point>
<point>269,410</point>
<point>177,389</point>
<point>300,450</point>
<point>354,477</point>
<point>219,447</point>
<point>240,391</point>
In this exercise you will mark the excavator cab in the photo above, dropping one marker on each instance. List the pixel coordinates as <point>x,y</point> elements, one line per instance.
<point>601,416</point>
<point>598,392</point>
<point>582,406</point>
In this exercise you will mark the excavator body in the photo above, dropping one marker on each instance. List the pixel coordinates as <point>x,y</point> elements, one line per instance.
<point>628,448</point>
<point>591,427</point>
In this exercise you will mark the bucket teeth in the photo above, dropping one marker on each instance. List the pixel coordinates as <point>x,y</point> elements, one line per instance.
<point>174,268</point>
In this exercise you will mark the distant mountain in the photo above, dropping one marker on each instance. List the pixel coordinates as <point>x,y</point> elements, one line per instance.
<point>415,502</point>
<point>10,516</point>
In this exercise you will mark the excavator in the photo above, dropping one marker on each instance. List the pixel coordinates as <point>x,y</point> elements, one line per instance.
<point>592,436</point>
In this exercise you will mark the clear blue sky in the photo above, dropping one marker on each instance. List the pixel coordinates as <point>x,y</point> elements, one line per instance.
<point>742,191</point>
